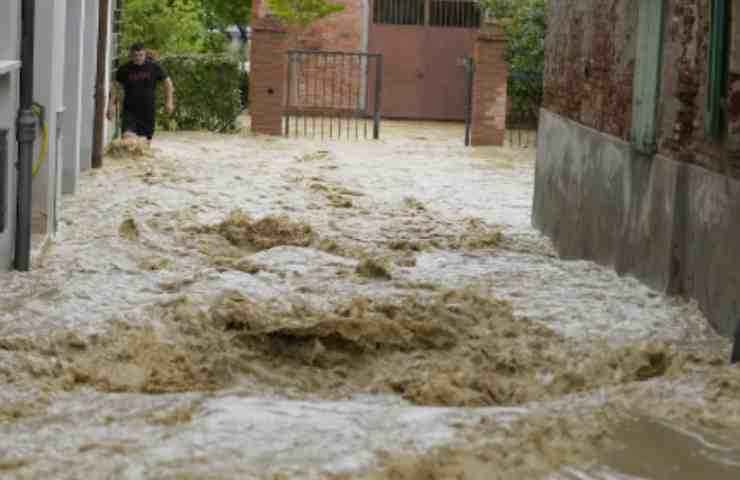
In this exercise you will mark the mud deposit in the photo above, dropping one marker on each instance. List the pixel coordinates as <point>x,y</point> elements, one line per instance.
<point>128,148</point>
<point>265,308</point>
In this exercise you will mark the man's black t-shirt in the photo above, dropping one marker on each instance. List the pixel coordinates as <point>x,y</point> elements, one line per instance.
<point>139,85</point>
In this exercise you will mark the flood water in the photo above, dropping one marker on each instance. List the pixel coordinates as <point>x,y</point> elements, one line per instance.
<point>232,306</point>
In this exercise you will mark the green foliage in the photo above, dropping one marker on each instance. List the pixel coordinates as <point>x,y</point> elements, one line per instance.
<point>302,12</point>
<point>208,83</point>
<point>207,93</point>
<point>171,26</point>
<point>525,24</point>
<point>220,14</point>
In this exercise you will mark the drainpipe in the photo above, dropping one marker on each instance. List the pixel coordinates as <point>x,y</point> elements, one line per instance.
<point>26,136</point>
<point>100,100</point>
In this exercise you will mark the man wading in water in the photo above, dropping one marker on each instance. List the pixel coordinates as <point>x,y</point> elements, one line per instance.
<point>139,78</point>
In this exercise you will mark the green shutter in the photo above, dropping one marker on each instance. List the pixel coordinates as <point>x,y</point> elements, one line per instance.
<point>717,79</point>
<point>648,59</point>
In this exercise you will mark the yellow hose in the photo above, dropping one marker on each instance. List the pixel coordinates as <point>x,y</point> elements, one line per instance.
<point>44,140</point>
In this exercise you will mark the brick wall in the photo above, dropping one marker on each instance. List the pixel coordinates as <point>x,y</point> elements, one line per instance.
<point>733,100</point>
<point>330,83</point>
<point>590,62</point>
<point>681,110</point>
<point>489,88</point>
<point>342,31</point>
<point>326,83</point>
<point>590,52</point>
<point>267,79</point>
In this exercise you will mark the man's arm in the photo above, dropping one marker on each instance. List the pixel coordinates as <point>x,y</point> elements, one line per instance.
<point>115,94</point>
<point>169,95</point>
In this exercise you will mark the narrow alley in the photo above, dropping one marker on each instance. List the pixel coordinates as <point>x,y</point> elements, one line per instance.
<point>238,306</point>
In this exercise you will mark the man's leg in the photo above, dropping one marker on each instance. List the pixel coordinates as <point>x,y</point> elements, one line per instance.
<point>134,129</point>
<point>146,128</point>
<point>128,126</point>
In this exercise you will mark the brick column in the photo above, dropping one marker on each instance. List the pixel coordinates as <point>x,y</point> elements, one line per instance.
<point>268,63</point>
<point>489,87</point>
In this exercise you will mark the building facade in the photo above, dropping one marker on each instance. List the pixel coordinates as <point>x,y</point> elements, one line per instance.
<point>423,43</point>
<point>638,162</point>
<point>65,46</point>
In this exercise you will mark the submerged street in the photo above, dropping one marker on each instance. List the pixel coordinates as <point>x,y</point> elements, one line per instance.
<point>232,306</point>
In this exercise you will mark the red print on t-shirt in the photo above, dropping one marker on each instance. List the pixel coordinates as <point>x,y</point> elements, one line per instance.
<point>138,76</point>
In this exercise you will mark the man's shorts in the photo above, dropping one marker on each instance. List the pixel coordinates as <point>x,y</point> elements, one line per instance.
<point>129,123</point>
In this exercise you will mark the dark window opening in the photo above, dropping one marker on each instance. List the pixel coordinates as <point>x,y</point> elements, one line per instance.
<point>454,13</point>
<point>399,12</point>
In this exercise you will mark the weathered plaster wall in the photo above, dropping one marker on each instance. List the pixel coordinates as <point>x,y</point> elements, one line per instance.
<point>9,50</point>
<point>672,219</point>
<point>590,51</point>
<point>73,79</point>
<point>681,110</point>
<point>49,58</point>
<point>590,62</point>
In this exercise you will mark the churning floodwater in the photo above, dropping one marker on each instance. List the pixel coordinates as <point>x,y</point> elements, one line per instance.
<point>232,306</point>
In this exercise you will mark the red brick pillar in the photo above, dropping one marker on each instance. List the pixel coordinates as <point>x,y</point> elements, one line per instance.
<point>268,63</point>
<point>489,88</point>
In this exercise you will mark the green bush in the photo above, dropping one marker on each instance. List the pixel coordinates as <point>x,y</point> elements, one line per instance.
<point>525,24</point>
<point>207,93</point>
<point>245,90</point>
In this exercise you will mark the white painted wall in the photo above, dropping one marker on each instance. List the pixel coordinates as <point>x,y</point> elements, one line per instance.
<point>49,58</point>
<point>73,88</point>
<point>109,126</point>
<point>89,69</point>
<point>64,82</point>
<point>9,50</point>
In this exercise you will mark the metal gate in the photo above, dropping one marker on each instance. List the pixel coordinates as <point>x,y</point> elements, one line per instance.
<point>423,42</point>
<point>335,95</point>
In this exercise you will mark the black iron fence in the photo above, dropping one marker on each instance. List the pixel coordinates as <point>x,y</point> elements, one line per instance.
<point>525,98</point>
<point>335,95</point>
<point>522,114</point>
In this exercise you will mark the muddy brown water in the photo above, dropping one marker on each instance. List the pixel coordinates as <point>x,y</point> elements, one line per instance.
<point>249,307</point>
<point>659,451</point>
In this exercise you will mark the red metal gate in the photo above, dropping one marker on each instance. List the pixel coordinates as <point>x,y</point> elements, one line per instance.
<point>333,94</point>
<point>424,43</point>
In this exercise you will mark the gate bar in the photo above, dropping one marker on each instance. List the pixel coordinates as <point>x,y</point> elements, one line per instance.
<point>469,73</point>
<point>290,89</point>
<point>378,92</point>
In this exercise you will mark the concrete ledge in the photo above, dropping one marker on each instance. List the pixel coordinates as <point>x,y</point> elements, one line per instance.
<point>674,226</point>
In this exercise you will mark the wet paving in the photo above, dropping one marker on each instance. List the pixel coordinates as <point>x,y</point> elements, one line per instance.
<point>231,306</point>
